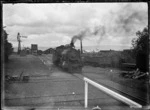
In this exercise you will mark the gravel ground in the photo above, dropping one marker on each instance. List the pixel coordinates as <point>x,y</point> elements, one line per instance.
<point>115,76</point>
<point>52,88</point>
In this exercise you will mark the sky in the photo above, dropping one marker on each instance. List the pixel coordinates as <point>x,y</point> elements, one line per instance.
<point>100,26</point>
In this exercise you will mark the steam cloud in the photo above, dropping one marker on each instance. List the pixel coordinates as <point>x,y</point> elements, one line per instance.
<point>97,30</point>
<point>123,22</point>
<point>126,21</point>
<point>128,17</point>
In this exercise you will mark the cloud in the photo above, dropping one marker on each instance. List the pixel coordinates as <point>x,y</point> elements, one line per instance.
<point>126,19</point>
<point>56,24</point>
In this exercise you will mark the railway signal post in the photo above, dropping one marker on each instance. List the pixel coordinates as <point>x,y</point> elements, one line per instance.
<point>19,41</point>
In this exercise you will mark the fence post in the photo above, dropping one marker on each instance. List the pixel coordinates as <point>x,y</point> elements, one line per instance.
<point>86,95</point>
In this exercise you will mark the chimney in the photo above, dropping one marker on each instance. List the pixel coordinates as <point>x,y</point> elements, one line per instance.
<point>81,46</point>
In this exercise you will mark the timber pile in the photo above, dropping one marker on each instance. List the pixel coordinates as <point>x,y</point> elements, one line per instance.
<point>137,74</point>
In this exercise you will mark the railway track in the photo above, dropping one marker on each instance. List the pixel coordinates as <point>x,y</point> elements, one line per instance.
<point>139,100</point>
<point>66,103</point>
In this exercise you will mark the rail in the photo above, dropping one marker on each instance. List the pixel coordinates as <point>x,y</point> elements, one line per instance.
<point>126,100</point>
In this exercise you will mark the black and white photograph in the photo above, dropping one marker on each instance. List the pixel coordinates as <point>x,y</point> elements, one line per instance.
<point>75,56</point>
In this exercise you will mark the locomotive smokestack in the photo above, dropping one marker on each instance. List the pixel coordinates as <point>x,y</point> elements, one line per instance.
<point>72,43</point>
<point>81,46</point>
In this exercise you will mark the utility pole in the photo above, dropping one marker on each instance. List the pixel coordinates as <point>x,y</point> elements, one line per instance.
<point>81,46</point>
<point>19,43</point>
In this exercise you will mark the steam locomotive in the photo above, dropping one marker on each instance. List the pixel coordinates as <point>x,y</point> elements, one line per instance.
<point>68,58</point>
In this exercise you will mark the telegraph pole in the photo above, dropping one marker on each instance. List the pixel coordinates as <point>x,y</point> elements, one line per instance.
<point>81,46</point>
<point>19,43</point>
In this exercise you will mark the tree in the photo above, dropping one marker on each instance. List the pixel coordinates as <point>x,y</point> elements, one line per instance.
<point>141,43</point>
<point>8,49</point>
<point>141,49</point>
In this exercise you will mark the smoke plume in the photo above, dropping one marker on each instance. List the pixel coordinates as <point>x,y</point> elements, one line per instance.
<point>126,21</point>
<point>123,22</point>
<point>88,32</point>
